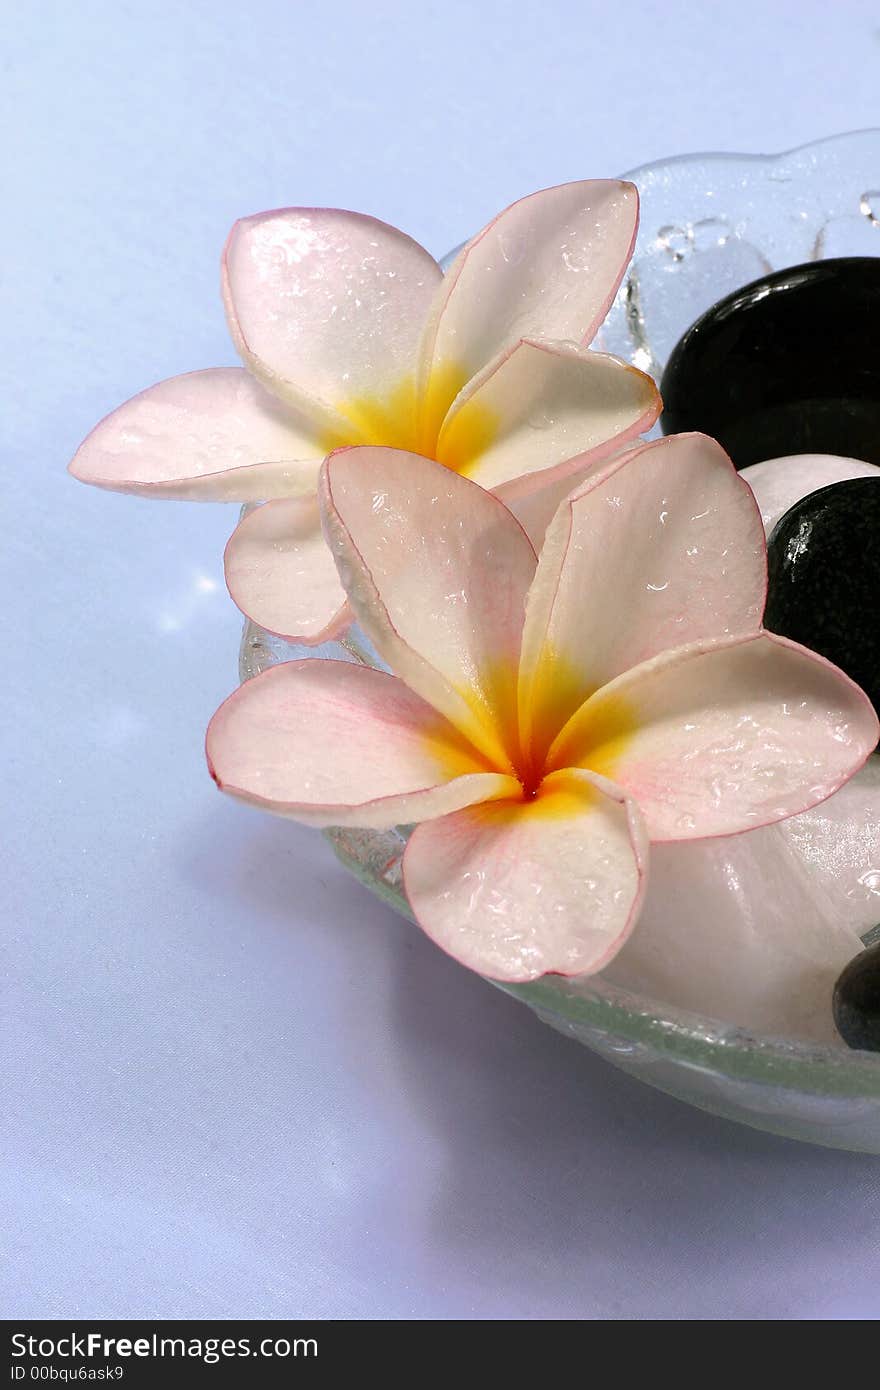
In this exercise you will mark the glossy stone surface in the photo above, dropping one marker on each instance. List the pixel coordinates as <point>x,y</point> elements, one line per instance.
<point>857,1001</point>
<point>824,577</point>
<point>785,365</point>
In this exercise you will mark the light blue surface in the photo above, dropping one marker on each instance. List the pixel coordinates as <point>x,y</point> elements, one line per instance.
<point>237,1085</point>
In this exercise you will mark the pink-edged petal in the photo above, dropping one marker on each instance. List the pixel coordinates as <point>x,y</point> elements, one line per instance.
<point>538,407</point>
<point>519,889</point>
<point>839,842</point>
<point>332,743</point>
<point>535,509</point>
<point>437,571</point>
<point>281,573</point>
<point>329,306</point>
<point>723,737</point>
<point>738,929</point>
<point>779,483</point>
<point>212,436</point>
<point>547,267</point>
<point>661,548</point>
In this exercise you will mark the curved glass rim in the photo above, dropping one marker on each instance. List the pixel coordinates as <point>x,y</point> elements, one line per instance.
<point>641,171</point>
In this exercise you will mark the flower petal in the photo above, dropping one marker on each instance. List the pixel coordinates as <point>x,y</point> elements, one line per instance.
<point>518,889</point>
<point>534,510</point>
<point>437,572</point>
<point>332,304</point>
<point>541,405</point>
<point>281,573</point>
<point>332,743</point>
<point>722,737</point>
<point>839,843</point>
<point>779,483</point>
<point>547,267</point>
<point>735,929</point>
<point>207,436</point>
<point>661,548</point>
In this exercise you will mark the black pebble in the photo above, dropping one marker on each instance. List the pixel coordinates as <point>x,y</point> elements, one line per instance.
<point>824,578</point>
<point>786,365</point>
<point>856,1001</point>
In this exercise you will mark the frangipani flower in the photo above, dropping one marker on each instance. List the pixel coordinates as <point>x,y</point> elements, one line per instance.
<point>351,334</point>
<point>551,716</point>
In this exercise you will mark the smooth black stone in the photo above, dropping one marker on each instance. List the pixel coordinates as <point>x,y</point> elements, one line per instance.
<point>824,578</point>
<point>786,365</point>
<point>856,1001</point>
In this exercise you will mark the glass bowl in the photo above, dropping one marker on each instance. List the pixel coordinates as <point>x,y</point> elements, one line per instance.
<point>709,224</point>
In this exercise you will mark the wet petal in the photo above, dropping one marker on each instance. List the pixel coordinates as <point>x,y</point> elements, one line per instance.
<point>436,570</point>
<point>540,406</point>
<point>547,267</point>
<point>534,510</point>
<point>661,548</point>
<point>207,436</point>
<point>518,888</point>
<point>281,574</point>
<point>329,306</point>
<point>328,743</point>
<point>720,738</point>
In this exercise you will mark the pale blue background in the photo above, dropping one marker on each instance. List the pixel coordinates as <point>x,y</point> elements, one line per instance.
<point>238,1086</point>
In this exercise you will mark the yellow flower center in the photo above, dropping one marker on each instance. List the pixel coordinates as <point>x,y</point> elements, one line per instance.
<point>407,419</point>
<point>562,733</point>
<point>563,730</point>
<point>594,740</point>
